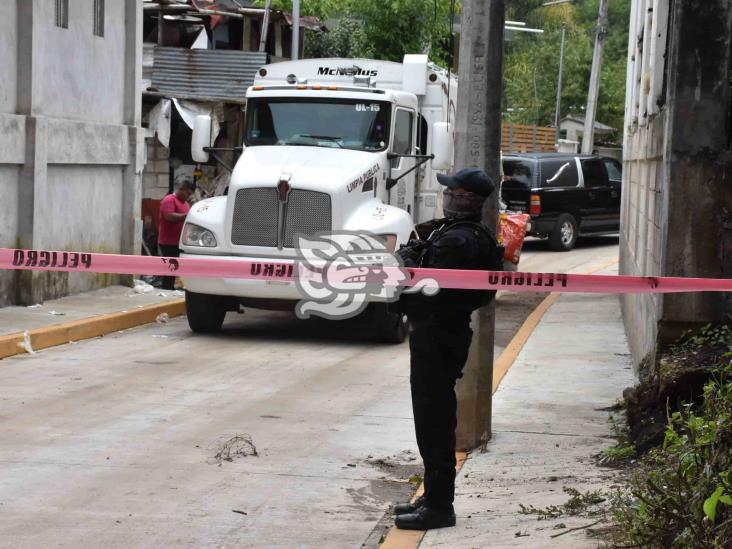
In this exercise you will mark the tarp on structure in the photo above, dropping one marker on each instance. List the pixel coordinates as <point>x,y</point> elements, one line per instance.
<point>160,117</point>
<point>205,75</point>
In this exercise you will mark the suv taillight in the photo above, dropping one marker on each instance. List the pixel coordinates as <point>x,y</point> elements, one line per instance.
<point>535,205</point>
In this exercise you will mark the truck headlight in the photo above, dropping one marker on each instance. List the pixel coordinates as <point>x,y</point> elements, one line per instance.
<point>193,235</point>
<point>389,240</point>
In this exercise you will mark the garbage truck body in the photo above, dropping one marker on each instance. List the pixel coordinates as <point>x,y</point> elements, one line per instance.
<point>329,145</point>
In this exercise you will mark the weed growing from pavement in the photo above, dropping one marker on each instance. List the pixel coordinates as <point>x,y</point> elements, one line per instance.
<point>415,480</point>
<point>624,450</point>
<point>579,504</point>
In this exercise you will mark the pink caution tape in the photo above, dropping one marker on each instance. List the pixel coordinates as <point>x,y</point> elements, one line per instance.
<point>216,267</point>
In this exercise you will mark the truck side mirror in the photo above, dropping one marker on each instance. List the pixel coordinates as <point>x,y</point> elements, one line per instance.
<point>201,138</point>
<point>443,146</point>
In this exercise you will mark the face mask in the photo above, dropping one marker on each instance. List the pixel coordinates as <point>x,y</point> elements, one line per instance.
<point>461,205</point>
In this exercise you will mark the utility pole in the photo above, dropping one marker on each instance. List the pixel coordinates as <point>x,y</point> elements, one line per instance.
<point>478,143</point>
<point>265,27</point>
<point>295,30</point>
<point>558,110</point>
<point>588,135</point>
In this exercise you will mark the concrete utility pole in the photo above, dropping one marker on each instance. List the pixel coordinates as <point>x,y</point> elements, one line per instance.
<point>478,143</point>
<point>295,30</point>
<point>588,135</point>
<point>558,110</point>
<point>265,27</point>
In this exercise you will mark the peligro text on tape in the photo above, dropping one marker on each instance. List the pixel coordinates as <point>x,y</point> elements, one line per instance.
<point>341,273</point>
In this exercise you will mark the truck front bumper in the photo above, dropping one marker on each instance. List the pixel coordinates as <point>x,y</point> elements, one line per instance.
<point>243,287</point>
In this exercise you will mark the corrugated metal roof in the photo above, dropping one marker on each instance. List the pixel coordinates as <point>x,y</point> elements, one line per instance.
<point>205,75</point>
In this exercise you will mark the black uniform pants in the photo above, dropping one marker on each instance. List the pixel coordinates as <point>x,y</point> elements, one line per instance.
<point>169,251</point>
<point>439,348</point>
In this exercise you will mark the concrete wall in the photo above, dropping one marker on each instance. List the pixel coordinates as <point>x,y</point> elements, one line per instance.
<point>9,135</point>
<point>71,145</point>
<point>83,75</point>
<point>675,197</point>
<point>8,54</point>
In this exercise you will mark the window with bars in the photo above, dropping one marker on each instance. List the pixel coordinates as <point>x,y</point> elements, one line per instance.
<point>99,18</point>
<point>62,14</point>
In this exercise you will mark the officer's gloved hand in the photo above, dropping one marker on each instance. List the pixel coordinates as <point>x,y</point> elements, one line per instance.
<point>409,255</point>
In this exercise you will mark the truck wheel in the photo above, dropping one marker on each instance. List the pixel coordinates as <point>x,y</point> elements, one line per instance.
<point>393,326</point>
<point>205,312</point>
<point>564,234</point>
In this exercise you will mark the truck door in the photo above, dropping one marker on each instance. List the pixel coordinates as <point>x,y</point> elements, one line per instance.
<point>403,142</point>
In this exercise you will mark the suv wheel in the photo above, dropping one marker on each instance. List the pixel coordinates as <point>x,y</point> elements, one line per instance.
<point>205,312</point>
<point>564,235</point>
<point>393,326</point>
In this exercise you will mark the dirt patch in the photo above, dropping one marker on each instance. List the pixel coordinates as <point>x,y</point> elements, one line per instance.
<point>677,378</point>
<point>402,466</point>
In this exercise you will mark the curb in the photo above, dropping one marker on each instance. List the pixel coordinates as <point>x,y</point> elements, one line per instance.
<point>87,328</point>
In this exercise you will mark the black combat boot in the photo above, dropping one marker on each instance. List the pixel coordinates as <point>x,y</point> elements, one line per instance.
<point>426,518</point>
<point>411,507</point>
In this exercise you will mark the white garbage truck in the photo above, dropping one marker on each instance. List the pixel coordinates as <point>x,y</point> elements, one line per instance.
<point>329,145</point>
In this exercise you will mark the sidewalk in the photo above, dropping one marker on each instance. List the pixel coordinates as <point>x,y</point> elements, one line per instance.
<point>549,419</point>
<point>83,316</point>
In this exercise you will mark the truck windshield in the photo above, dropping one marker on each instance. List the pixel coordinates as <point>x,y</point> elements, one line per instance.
<point>335,123</point>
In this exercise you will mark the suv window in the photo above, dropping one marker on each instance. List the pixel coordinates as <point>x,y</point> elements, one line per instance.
<point>559,173</point>
<point>518,170</point>
<point>594,173</point>
<point>614,169</point>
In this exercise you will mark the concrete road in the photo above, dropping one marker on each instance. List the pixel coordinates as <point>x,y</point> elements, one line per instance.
<point>112,442</point>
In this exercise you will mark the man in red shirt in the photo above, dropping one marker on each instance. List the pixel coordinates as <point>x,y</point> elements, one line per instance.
<point>173,211</point>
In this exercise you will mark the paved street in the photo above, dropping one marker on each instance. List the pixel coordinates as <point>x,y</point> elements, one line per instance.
<point>111,442</point>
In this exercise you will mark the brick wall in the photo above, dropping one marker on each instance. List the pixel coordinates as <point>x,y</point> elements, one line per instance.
<point>156,178</point>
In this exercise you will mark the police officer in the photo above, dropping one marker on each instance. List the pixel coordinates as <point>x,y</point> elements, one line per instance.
<point>441,337</point>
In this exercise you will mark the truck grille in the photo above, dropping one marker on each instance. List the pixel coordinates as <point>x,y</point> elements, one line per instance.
<point>256,216</point>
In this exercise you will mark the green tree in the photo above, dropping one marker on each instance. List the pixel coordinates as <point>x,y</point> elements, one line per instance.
<point>378,29</point>
<point>388,29</point>
<point>532,61</point>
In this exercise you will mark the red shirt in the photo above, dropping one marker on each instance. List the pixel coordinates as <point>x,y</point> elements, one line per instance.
<point>169,231</point>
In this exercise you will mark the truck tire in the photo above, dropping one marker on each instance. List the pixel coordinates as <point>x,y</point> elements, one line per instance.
<point>564,234</point>
<point>205,312</point>
<point>392,326</point>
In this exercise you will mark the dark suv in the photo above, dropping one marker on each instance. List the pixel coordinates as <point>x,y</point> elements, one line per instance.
<point>567,195</point>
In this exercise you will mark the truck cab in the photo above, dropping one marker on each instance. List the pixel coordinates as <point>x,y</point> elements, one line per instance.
<point>329,145</point>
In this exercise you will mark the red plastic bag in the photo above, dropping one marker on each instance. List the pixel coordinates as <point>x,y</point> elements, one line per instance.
<point>511,234</point>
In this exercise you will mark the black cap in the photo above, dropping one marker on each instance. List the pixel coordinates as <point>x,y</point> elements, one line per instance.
<point>473,180</point>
